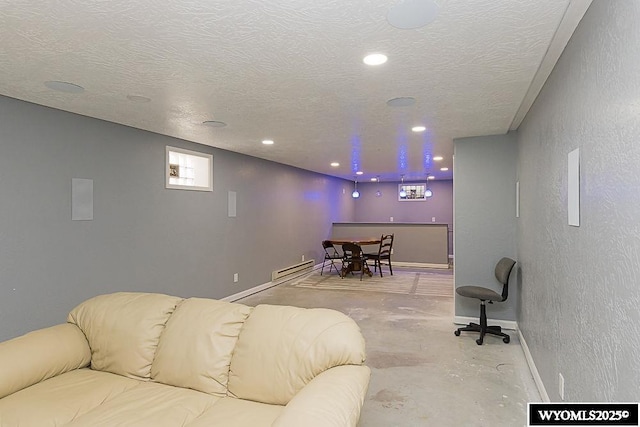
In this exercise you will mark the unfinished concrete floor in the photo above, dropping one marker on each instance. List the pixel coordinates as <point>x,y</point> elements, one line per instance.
<point>421,374</point>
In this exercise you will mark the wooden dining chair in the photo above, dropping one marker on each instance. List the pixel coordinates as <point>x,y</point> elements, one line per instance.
<point>384,253</point>
<point>354,259</point>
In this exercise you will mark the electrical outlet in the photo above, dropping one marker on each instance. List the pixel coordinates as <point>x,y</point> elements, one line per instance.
<point>235,277</point>
<point>561,386</point>
<point>433,219</point>
<point>303,257</point>
<point>390,219</point>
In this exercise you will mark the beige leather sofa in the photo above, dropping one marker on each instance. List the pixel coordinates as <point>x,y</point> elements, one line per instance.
<point>134,359</point>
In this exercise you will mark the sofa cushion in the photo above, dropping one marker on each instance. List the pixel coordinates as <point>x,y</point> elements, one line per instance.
<point>123,330</point>
<point>281,349</point>
<point>232,412</point>
<point>59,400</point>
<point>196,345</point>
<point>148,404</point>
<point>23,363</point>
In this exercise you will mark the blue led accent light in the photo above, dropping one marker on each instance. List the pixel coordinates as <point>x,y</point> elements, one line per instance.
<point>355,153</point>
<point>403,157</point>
<point>427,151</point>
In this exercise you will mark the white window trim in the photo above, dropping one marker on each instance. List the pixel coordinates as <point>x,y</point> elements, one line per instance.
<point>209,157</point>
<point>409,184</point>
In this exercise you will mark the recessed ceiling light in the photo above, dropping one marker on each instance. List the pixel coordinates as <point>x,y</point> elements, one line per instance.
<point>138,99</point>
<point>335,164</point>
<point>267,142</point>
<point>444,169</point>
<point>214,123</point>
<point>431,177</point>
<point>412,14</point>
<point>404,101</point>
<point>438,158</point>
<point>418,128</point>
<point>64,87</point>
<point>359,173</point>
<point>375,59</point>
<point>374,179</point>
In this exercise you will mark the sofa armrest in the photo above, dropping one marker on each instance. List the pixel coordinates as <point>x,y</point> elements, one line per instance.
<point>41,354</point>
<point>333,398</point>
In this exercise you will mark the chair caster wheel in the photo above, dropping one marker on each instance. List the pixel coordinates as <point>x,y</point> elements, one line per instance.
<point>479,341</point>
<point>456,333</point>
<point>506,340</point>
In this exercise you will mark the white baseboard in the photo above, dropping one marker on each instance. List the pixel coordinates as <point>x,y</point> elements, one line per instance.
<point>532,367</point>
<point>419,264</point>
<point>512,325</point>
<point>504,324</point>
<point>247,292</point>
<point>265,286</point>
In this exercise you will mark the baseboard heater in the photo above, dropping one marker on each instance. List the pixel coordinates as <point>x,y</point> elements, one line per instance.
<point>292,270</point>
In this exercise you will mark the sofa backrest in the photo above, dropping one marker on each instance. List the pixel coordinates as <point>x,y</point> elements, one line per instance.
<point>265,354</point>
<point>123,330</point>
<point>281,349</point>
<point>197,343</point>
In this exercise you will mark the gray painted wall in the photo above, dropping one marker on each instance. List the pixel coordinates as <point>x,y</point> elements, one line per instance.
<point>485,223</point>
<point>143,236</point>
<point>370,208</point>
<point>580,286</point>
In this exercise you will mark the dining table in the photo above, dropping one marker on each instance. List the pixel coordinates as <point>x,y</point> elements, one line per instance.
<point>360,241</point>
<point>357,240</point>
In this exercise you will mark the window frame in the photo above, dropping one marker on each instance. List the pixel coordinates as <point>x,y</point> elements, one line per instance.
<point>413,184</point>
<point>168,168</point>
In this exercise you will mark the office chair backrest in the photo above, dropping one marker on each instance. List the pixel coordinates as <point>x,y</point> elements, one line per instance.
<point>503,271</point>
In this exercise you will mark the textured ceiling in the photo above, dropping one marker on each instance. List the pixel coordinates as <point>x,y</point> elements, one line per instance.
<point>288,70</point>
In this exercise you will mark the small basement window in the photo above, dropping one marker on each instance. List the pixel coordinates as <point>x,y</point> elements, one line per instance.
<point>412,192</point>
<point>188,170</point>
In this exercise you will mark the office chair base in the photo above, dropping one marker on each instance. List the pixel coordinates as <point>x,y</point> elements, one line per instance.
<point>493,330</point>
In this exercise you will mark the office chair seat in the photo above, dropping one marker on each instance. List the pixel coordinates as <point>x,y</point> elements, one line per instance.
<point>480,293</point>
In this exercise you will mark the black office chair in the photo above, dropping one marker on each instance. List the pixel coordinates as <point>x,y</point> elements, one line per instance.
<point>354,259</point>
<point>384,252</point>
<point>502,272</point>
<point>330,254</point>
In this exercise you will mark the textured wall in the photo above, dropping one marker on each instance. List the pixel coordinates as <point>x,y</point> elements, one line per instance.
<point>580,287</point>
<point>370,208</point>
<point>143,236</point>
<point>484,197</point>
